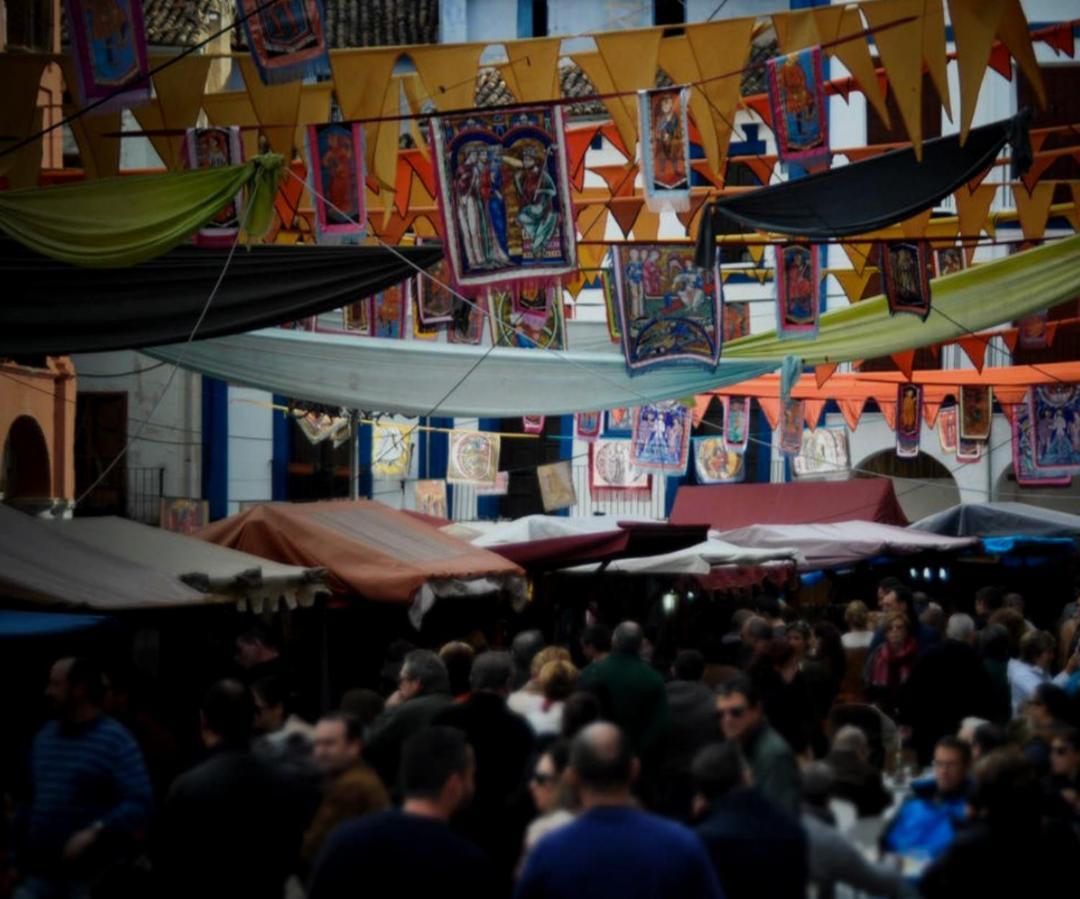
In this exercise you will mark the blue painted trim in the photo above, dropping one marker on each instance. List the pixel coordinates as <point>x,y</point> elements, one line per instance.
<point>671,489</point>
<point>215,446</point>
<point>763,447</point>
<point>489,508</point>
<point>364,484</point>
<point>566,449</point>
<point>524,18</point>
<point>279,466</point>
<point>752,146</point>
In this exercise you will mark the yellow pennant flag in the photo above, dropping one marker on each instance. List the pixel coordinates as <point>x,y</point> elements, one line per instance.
<point>1034,208</point>
<point>900,47</point>
<point>854,283</point>
<point>179,91</point>
<point>449,73</point>
<point>631,59</point>
<point>1014,33</point>
<point>276,107</point>
<point>933,50</point>
<point>677,60</point>
<point>859,254</point>
<point>975,23</point>
<point>535,68</point>
<point>100,154</point>
<point>234,108</point>
<point>21,77</point>
<point>366,89</point>
<point>854,53</point>
<point>973,208</point>
<point>593,65</point>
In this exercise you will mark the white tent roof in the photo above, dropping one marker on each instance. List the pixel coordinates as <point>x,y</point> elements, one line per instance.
<point>546,527</point>
<point>699,559</point>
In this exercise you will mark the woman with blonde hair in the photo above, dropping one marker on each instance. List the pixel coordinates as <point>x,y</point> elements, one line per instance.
<point>857,619</point>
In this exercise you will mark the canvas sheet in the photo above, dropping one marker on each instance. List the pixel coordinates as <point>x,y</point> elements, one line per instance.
<point>908,420</point>
<point>588,425</point>
<point>335,153</point>
<point>823,455</point>
<point>556,486</point>
<point>947,425</point>
<point>665,148</point>
<point>905,277</point>
<point>670,311</point>
<point>736,423</point>
<point>391,451</point>
<point>714,463</point>
<point>108,43</point>
<point>1055,417</point>
<point>1023,451</point>
<point>661,438</point>
<point>211,148</point>
<point>798,284</point>
<point>612,475</point>
<point>976,406</point>
<point>797,100</point>
<point>791,427</point>
<point>287,38</point>
<point>474,458</point>
<point>504,196</point>
<point>533,318</point>
<point>430,498</point>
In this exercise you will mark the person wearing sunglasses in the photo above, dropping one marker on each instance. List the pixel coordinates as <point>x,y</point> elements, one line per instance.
<point>1063,784</point>
<point>555,802</point>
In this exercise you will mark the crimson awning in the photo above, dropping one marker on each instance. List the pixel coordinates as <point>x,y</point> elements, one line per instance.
<point>728,506</point>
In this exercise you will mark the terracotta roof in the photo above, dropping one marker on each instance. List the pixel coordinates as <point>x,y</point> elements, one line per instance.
<point>169,23</point>
<point>374,23</point>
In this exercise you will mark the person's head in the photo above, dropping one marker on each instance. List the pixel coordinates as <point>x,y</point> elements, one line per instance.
<point>1007,792</point>
<point>271,695</point>
<point>850,738</point>
<point>817,782</point>
<point>689,665</point>
<point>1037,648</point>
<point>1014,625</point>
<point>985,739</point>
<point>887,585</point>
<point>226,715</point>
<point>738,706</point>
<point>738,619</point>
<point>595,642</point>
<point>827,645</point>
<point>338,742</point>
<point>718,769</point>
<point>1013,601</point>
<point>627,639</point>
<point>988,600</point>
<point>968,726</point>
<point>856,615</point>
<point>557,680</point>
<point>1065,753</point>
<point>994,643</point>
<point>1048,705</point>
<point>933,617</point>
<point>897,630</point>
<point>545,655</point>
<point>523,648</point>
<point>961,628</point>
<point>75,689</point>
<point>580,709</point>
<point>363,704</point>
<point>255,646</point>
<point>546,782</point>
<point>458,658</point>
<point>899,601</point>
<point>492,672</point>
<point>798,635</point>
<point>952,760</point>
<point>602,764</point>
<point>438,770</point>
<point>778,655</point>
<point>756,632</point>
<point>422,672</point>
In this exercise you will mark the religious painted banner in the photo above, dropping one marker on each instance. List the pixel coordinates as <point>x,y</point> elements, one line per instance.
<point>467,324</point>
<point>905,277</point>
<point>791,426</point>
<point>948,261</point>
<point>319,426</point>
<point>434,297</point>
<point>611,473</point>
<point>391,451</point>
<point>736,423</point>
<point>335,154</point>
<point>532,424</point>
<point>798,284</point>
<point>661,439</point>
<point>1033,331</point>
<point>670,310</point>
<point>108,44</point>
<point>500,488</point>
<point>474,458</point>
<point>908,420</point>
<point>1027,474</point>
<point>797,101</point>
<point>823,455</point>
<point>665,148</point>
<point>714,463</point>
<point>1055,417</point>
<point>619,421</point>
<point>390,306</point>
<point>420,331</point>
<point>533,318</point>
<point>736,320</point>
<point>287,37</point>
<point>504,196</point>
<point>211,148</point>
<point>976,406</point>
<point>947,425</point>
<point>969,450</point>
<point>588,425</point>
<point>556,486</point>
<point>183,516</point>
<point>430,498</point>
<point>607,282</point>
<point>356,317</point>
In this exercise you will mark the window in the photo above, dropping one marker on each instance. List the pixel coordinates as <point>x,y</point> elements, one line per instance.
<point>28,24</point>
<point>669,12</point>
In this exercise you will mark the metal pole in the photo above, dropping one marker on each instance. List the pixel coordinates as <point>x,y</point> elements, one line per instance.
<point>354,455</point>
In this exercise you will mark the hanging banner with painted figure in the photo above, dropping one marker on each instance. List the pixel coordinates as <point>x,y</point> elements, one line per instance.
<point>335,154</point>
<point>287,37</point>
<point>588,425</point>
<point>736,423</point>
<point>665,148</point>
<point>823,455</point>
<point>1033,331</point>
<point>211,148</point>
<point>714,463</point>
<point>556,486</point>
<point>533,319</point>
<point>736,320</point>
<point>620,421</point>
<point>661,440</point>
<point>799,109</point>
<point>798,284</point>
<point>474,458</point>
<point>532,424</point>
<point>1025,471</point>
<point>908,420</point>
<point>430,498</point>
<point>612,475</point>
<point>434,297</point>
<point>905,277</point>
<point>391,451</point>
<point>976,406</point>
<point>390,306</point>
<point>1055,417</point>
<point>947,429</point>
<point>108,44</point>
<point>791,427</point>
<point>467,323</point>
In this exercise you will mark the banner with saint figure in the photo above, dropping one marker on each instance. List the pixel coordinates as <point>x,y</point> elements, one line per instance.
<point>336,177</point>
<point>665,148</point>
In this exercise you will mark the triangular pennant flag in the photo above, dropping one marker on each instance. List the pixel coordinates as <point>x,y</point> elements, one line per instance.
<point>677,60</point>
<point>795,30</point>
<point>852,411</point>
<point>423,169</point>
<point>625,211</point>
<point>448,73</point>
<point>1051,333</point>
<point>148,115</point>
<point>756,251</point>
<point>888,412</point>
<point>858,154</point>
<point>21,77</point>
<point>759,103</point>
<point>631,59</point>
<point>933,50</point>
<point>761,166</point>
<point>315,101</point>
<point>364,87</point>
<point>1010,338</point>
<point>975,347</point>
<point>1060,38</point>
<point>619,178</point>
<point>823,372</point>
<point>1001,61</point>
<point>930,410</point>
<point>535,68</point>
<point>688,217</point>
<point>575,283</point>
<point>770,406</point>
<point>915,226</point>
<point>593,65</point>
<point>403,186</point>
<point>647,226</point>
<point>972,208</point>
<point>701,167</point>
<point>852,283</point>
<point>234,108</point>
<point>812,410</point>
<point>860,255</point>
<point>577,143</point>
<point>855,55</point>
<point>276,107</point>
<point>592,223</point>
<point>702,401</point>
<point>1033,208</point>
<point>1015,34</point>
<point>975,23</point>
<point>179,88</point>
<point>900,48</point>
<point>905,361</point>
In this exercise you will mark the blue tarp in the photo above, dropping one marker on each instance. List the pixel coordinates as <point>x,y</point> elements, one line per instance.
<point>15,624</point>
<point>1003,545</point>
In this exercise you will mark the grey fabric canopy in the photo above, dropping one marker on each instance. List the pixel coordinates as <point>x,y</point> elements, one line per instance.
<point>1001,520</point>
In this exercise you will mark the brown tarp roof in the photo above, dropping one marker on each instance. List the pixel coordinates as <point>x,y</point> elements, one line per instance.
<point>366,547</point>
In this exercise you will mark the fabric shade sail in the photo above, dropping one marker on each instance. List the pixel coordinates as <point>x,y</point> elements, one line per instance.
<point>1000,520</point>
<point>729,506</point>
<point>698,560</point>
<point>367,549</point>
<point>122,221</point>
<point>55,308</point>
<point>863,196</point>
<point>831,544</point>
<point>226,574</point>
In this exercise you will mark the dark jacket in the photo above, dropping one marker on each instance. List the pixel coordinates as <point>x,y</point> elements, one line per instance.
<point>859,782</point>
<point>394,727</point>
<point>632,694</point>
<point>758,849</point>
<point>692,712</point>
<point>775,770</point>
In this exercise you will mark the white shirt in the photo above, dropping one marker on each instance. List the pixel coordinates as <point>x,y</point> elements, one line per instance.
<point>1024,678</point>
<point>857,639</point>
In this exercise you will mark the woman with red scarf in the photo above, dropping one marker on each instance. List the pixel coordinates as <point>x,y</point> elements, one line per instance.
<point>890,665</point>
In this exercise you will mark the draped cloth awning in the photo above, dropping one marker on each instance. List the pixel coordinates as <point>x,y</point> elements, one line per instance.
<point>54,308</point>
<point>1001,520</point>
<point>867,195</point>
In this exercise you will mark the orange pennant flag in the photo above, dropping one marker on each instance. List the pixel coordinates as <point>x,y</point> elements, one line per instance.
<point>930,410</point>
<point>853,284</point>
<point>690,216</point>
<point>619,178</point>
<point>973,207</point>
<point>1051,333</point>
<point>1033,208</point>
<point>577,143</point>
<point>975,347</point>
<point>852,411</point>
<point>1010,337</point>
<point>761,166</point>
<point>770,406</point>
<point>812,410</point>
<point>625,211</point>
<point>823,372</point>
<point>759,103</point>
<point>1016,35</point>
<point>888,412</point>
<point>1060,39</point>
<point>975,23</point>
<point>905,361</point>
<point>900,48</point>
<point>631,59</point>
<point>1001,61</point>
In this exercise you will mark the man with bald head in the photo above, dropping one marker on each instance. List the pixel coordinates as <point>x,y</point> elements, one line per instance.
<point>615,849</point>
<point>631,693</point>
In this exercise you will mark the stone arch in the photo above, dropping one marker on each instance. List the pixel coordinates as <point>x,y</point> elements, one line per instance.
<point>923,485</point>
<point>26,469</point>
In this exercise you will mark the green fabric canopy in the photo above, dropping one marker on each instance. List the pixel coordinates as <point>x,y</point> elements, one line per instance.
<point>116,222</point>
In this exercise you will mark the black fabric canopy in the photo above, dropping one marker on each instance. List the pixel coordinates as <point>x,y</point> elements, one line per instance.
<point>49,307</point>
<point>864,196</point>
<point>1000,520</point>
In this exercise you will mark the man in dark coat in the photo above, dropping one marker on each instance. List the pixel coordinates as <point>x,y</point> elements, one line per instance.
<point>853,778</point>
<point>692,710</point>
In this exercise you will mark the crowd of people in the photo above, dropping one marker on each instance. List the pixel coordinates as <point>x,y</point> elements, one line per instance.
<point>788,762</point>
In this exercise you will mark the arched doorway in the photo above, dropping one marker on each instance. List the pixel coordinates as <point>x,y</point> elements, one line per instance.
<point>923,485</point>
<point>26,467</point>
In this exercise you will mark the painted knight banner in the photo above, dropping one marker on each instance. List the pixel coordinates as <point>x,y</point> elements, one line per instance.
<point>1055,418</point>
<point>661,440</point>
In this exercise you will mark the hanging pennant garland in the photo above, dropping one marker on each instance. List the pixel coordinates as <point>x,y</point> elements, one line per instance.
<point>661,440</point>
<point>335,153</point>
<point>532,424</point>
<point>947,429</point>
<point>976,406</point>
<point>670,310</point>
<point>430,498</point>
<point>211,148</point>
<point>1023,452</point>
<point>1055,415</point>
<point>533,319</point>
<point>108,44</point>
<point>797,102</point>
<point>791,427</point>
<point>905,276</point>
<point>908,420</point>
<point>736,423</point>
<point>798,282</point>
<point>287,37</point>
<point>588,425</point>
<point>474,458</point>
<point>714,463</point>
<point>665,148</point>
<point>504,196</point>
<point>556,486</point>
<point>612,476</point>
